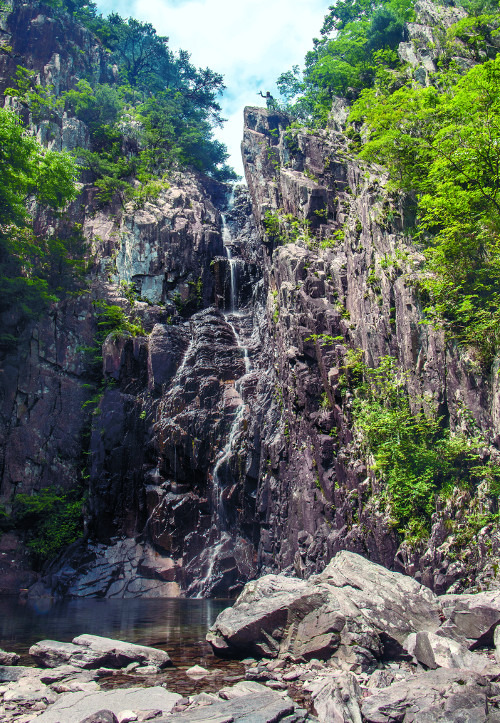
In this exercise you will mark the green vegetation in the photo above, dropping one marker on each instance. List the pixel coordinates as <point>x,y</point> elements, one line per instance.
<point>442,146</point>
<point>115,321</point>
<point>285,228</point>
<point>157,116</point>
<point>440,143</point>
<point>112,319</point>
<point>358,45</point>
<point>415,457</point>
<point>33,268</point>
<point>50,520</point>
<point>324,339</point>
<point>276,305</point>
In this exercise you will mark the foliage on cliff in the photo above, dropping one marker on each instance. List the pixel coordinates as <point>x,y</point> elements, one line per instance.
<point>359,40</point>
<point>440,143</point>
<point>442,146</point>
<point>413,453</point>
<point>50,521</point>
<point>32,267</point>
<point>158,114</point>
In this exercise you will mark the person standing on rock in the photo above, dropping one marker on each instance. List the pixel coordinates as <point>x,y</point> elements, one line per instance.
<point>270,102</point>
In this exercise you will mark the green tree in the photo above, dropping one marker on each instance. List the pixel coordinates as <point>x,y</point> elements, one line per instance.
<point>414,456</point>
<point>28,172</point>
<point>442,144</point>
<point>358,38</point>
<point>51,520</point>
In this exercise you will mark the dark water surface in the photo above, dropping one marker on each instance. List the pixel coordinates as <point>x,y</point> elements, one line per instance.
<point>176,625</point>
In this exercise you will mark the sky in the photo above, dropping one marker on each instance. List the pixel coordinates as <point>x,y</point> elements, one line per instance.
<point>251,42</point>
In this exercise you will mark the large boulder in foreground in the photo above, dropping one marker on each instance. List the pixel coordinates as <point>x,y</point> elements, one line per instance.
<point>441,695</point>
<point>93,651</point>
<point>354,611</point>
<point>74,707</point>
<point>471,618</point>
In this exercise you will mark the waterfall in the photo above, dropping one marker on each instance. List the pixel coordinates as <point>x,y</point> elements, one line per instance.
<point>227,239</point>
<point>235,318</point>
<point>226,453</point>
<point>233,299</point>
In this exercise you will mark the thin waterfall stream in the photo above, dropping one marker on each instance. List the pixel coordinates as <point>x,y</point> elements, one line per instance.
<point>234,316</point>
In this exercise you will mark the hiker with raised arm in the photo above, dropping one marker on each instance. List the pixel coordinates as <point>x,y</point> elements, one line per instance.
<point>270,102</point>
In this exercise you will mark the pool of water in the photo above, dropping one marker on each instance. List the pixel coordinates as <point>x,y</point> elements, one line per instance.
<point>176,625</point>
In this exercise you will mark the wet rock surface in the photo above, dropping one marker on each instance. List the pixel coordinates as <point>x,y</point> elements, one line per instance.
<point>221,445</point>
<point>316,491</point>
<point>174,405</point>
<point>356,643</point>
<point>94,651</point>
<point>69,694</point>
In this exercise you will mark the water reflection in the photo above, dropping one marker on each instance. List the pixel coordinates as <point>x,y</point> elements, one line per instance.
<point>172,624</point>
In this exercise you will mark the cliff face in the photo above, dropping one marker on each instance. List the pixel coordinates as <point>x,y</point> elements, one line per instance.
<point>147,440</point>
<point>317,495</point>
<point>220,445</point>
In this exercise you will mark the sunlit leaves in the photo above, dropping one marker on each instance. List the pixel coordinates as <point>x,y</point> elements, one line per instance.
<point>27,172</point>
<point>442,144</point>
<point>359,39</point>
<point>414,457</point>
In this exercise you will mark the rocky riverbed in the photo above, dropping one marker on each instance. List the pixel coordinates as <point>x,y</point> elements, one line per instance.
<point>100,680</point>
<point>356,643</point>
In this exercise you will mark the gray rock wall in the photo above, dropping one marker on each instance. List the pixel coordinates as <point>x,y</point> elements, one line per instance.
<point>221,446</point>
<point>316,489</point>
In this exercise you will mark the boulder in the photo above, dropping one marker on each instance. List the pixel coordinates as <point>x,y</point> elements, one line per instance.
<point>266,707</point>
<point>355,611</point>
<point>434,651</point>
<point>93,651</point>
<point>472,618</point>
<point>75,707</point>
<point>454,696</point>
<point>102,716</point>
<point>28,691</point>
<point>63,672</point>
<point>393,603</point>
<point>116,653</point>
<point>52,654</point>
<point>127,716</point>
<point>256,623</point>
<point>8,658</point>
<point>244,687</point>
<point>197,671</point>
<point>337,701</point>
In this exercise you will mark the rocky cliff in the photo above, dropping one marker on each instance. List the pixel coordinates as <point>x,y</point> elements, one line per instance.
<point>219,444</point>
<point>316,494</point>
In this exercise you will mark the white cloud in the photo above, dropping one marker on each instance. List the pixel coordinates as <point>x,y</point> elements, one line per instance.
<point>251,42</point>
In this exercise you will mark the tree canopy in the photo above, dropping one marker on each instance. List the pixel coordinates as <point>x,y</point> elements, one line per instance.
<point>29,172</point>
<point>171,105</point>
<point>442,145</point>
<point>358,37</point>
